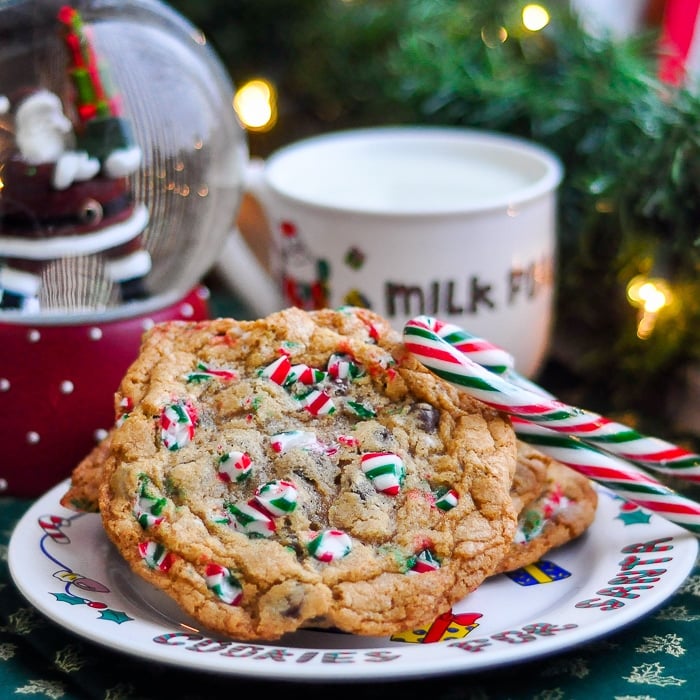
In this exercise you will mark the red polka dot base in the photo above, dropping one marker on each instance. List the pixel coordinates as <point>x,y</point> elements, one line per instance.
<point>57,384</point>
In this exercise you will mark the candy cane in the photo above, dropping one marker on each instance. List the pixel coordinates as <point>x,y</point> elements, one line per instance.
<point>483,352</point>
<point>435,352</point>
<point>595,463</point>
<point>619,476</point>
<point>52,525</point>
<point>516,396</point>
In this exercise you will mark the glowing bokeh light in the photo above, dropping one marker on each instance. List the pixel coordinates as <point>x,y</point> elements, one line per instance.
<point>255,103</point>
<point>650,296</point>
<point>493,36</point>
<point>535,17</point>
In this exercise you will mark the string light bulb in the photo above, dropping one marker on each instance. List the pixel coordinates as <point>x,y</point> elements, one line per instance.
<point>535,17</point>
<point>255,103</point>
<point>493,36</point>
<point>650,295</point>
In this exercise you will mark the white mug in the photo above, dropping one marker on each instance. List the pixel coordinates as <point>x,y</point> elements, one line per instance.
<point>453,223</point>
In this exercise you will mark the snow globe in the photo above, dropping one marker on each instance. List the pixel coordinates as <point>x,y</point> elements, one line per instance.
<point>121,171</point>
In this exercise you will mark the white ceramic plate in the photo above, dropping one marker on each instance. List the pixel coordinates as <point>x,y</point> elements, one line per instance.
<point>627,564</point>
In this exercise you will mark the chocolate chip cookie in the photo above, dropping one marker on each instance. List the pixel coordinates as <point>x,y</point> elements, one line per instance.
<point>304,470</point>
<point>561,511</point>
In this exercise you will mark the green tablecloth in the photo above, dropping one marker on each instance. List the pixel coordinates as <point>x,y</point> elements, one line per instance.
<point>654,658</point>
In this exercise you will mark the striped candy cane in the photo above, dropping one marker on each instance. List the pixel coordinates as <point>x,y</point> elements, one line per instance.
<point>619,476</point>
<point>427,339</point>
<point>483,352</point>
<point>597,464</point>
<point>439,355</point>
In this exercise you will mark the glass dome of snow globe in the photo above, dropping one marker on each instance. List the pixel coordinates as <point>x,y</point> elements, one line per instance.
<point>120,157</point>
<point>121,172</point>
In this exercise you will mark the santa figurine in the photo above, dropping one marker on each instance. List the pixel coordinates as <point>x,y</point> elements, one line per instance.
<point>44,135</point>
<point>65,189</point>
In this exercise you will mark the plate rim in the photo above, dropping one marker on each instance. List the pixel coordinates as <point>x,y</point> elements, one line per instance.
<point>684,562</point>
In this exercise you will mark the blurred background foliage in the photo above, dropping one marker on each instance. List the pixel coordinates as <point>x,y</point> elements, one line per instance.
<point>630,201</point>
